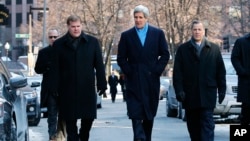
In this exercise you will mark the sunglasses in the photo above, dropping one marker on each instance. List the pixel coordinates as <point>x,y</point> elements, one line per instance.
<point>52,37</point>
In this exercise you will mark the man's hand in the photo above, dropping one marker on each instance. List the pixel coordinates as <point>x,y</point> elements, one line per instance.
<point>221,97</point>
<point>181,96</point>
<point>101,92</point>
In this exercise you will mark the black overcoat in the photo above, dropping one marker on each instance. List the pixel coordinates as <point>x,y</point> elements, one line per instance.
<point>240,58</point>
<point>199,77</point>
<point>142,66</point>
<point>78,69</point>
<point>44,66</point>
<point>113,82</point>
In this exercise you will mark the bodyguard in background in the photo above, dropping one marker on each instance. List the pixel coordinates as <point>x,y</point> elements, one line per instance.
<point>113,82</point>
<point>199,73</point>
<point>142,56</point>
<point>49,95</point>
<point>240,58</point>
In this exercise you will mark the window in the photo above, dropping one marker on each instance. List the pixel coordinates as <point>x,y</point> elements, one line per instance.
<point>29,1</point>
<point>18,2</point>
<point>18,19</point>
<point>8,2</point>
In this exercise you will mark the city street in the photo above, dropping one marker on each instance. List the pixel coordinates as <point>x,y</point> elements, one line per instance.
<point>112,124</point>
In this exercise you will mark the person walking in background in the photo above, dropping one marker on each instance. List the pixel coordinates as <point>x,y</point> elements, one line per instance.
<point>199,73</point>
<point>80,72</point>
<point>241,61</point>
<point>123,85</point>
<point>142,56</point>
<point>49,95</point>
<point>113,82</point>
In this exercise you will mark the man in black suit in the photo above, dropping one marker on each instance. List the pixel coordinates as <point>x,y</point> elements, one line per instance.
<point>113,81</point>
<point>48,88</point>
<point>240,60</point>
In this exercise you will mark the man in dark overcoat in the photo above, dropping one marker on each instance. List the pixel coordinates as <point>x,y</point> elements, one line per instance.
<point>240,58</point>
<point>199,73</point>
<point>142,56</point>
<point>113,82</point>
<point>48,96</point>
<point>79,64</point>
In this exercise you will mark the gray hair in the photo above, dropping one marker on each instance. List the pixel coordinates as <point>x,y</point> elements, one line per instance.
<point>143,9</point>
<point>195,22</point>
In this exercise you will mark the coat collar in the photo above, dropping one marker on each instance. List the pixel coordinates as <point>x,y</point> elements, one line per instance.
<point>207,44</point>
<point>67,37</point>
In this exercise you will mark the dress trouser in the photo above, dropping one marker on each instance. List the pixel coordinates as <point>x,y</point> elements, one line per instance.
<point>200,124</point>
<point>52,115</point>
<point>245,114</point>
<point>72,133</point>
<point>142,129</point>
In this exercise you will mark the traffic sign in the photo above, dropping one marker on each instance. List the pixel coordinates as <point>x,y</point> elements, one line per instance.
<point>22,36</point>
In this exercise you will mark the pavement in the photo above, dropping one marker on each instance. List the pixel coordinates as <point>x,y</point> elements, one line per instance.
<point>112,124</point>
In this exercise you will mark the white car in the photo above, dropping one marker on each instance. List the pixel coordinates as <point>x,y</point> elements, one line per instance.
<point>229,106</point>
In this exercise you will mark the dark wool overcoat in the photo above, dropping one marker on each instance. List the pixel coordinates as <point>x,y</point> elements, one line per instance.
<point>142,66</point>
<point>113,82</point>
<point>44,66</point>
<point>78,68</point>
<point>240,58</point>
<point>200,77</point>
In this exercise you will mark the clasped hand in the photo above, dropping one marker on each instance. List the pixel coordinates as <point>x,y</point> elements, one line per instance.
<point>101,92</point>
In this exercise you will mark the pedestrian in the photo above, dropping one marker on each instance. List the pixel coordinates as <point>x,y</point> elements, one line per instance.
<point>123,86</point>
<point>241,62</point>
<point>199,73</point>
<point>81,75</point>
<point>113,82</point>
<point>49,95</point>
<point>142,56</point>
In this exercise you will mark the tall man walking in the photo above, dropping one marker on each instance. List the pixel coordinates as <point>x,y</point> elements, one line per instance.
<point>142,56</point>
<point>199,73</point>
<point>240,58</point>
<point>79,65</point>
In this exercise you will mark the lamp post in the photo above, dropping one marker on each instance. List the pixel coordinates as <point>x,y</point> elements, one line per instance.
<point>30,53</point>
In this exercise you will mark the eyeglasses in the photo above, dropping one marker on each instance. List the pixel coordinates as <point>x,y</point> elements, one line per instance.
<point>52,37</point>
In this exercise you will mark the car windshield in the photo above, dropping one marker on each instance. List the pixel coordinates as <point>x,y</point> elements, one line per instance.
<point>229,67</point>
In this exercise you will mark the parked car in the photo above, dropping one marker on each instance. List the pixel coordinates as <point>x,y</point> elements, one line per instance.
<point>228,107</point>
<point>13,116</point>
<point>33,102</point>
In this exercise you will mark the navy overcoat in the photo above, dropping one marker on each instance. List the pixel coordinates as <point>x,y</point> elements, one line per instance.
<point>143,66</point>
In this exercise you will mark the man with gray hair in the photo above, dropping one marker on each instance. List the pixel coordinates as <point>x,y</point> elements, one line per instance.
<point>142,55</point>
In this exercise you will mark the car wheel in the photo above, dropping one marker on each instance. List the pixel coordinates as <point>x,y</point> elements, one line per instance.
<point>36,121</point>
<point>171,112</point>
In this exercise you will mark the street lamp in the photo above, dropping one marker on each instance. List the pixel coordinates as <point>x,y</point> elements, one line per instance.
<point>30,53</point>
<point>7,47</point>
